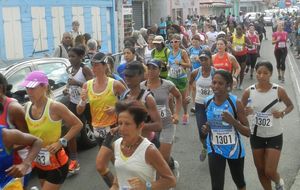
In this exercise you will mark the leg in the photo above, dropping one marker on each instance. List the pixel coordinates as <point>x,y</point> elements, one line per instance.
<point>272,157</point>
<point>50,186</point>
<point>243,66</point>
<point>237,172</point>
<point>217,165</point>
<point>166,139</point>
<point>53,179</point>
<point>102,160</point>
<point>259,161</point>
<point>278,57</point>
<point>283,58</point>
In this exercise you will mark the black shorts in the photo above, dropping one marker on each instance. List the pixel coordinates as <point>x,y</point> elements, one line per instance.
<point>264,143</point>
<point>241,58</point>
<point>56,176</point>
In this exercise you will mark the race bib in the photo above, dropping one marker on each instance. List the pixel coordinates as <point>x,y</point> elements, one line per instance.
<point>281,44</point>
<point>43,158</point>
<point>162,110</point>
<point>203,91</point>
<point>223,137</point>
<point>75,92</point>
<point>263,119</point>
<point>175,72</point>
<point>101,132</point>
<point>252,47</point>
<point>239,48</point>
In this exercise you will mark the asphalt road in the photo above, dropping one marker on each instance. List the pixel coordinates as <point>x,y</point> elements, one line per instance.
<point>194,175</point>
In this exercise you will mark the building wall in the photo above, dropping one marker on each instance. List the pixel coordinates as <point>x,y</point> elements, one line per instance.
<point>40,14</point>
<point>159,9</point>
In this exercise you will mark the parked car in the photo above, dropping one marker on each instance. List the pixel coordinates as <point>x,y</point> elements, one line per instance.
<point>253,16</point>
<point>268,18</point>
<point>56,70</point>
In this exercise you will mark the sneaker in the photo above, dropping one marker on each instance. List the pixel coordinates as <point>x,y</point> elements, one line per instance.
<point>74,167</point>
<point>279,77</point>
<point>240,87</point>
<point>176,170</point>
<point>246,70</point>
<point>193,110</point>
<point>185,119</point>
<point>203,154</point>
<point>280,185</point>
<point>282,79</point>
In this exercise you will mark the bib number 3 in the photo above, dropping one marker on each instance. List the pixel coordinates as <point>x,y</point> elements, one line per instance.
<point>43,158</point>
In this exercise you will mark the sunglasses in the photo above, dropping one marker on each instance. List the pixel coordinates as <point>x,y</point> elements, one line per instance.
<point>175,41</point>
<point>203,58</point>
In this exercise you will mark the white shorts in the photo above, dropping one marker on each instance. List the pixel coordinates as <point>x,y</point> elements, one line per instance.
<point>167,134</point>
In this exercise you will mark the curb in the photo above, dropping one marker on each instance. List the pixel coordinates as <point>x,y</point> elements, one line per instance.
<point>294,71</point>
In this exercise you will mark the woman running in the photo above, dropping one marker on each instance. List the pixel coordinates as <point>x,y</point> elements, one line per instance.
<point>161,90</point>
<point>226,122</point>
<point>203,78</point>
<point>129,56</point>
<point>279,38</point>
<point>44,118</point>
<point>10,172</point>
<point>252,49</point>
<point>137,161</point>
<point>226,61</point>
<point>179,62</point>
<point>265,115</point>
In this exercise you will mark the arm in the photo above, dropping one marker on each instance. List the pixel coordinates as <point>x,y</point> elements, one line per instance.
<point>88,74</point>
<point>119,88</point>
<point>175,92</point>
<point>17,116</point>
<point>241,124</point>
<point>82,104</point>
<point>235,65</point>
<point>274,39</point>
<point>287,101</point>
<point>191,80</point>
<point>155,124</point>
<point>15,137</point>
<point>186,63</point>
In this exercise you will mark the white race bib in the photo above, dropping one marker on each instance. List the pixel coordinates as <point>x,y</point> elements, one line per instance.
<point>176,71</point>
<point>43,158</point>
<point>281,44</point>
<point>263,119</point>
<point>101,131</point>
<point>203,91</point>
<point>239,48</point>
<point>75,92</point>
<point>162,110</point>
<point>223,137</point>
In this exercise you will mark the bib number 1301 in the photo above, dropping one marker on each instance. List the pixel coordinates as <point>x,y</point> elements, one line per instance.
<point>224,139</point>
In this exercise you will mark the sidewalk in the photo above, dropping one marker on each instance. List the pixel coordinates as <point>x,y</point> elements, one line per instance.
<point>293,65</point>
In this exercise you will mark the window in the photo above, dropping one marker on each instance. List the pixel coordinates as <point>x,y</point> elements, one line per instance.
<point>96,23</point>
<point>12,33</point>
<point>58,22</point>
<point>108,28</point>
<point>56,73</point>
<point>17,78</point>
<point>77,13</point>
<point>39,29</point>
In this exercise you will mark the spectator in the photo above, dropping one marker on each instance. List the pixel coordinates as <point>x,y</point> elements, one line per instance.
<point>62,49</point>
<point>75,29</point>
<point>162,28</point>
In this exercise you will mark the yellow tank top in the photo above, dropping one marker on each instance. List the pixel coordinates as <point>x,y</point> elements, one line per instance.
<point>99,102</point>
<point>45,128</point>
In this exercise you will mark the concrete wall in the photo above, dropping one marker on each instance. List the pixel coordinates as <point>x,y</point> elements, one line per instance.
<point>158,9</point>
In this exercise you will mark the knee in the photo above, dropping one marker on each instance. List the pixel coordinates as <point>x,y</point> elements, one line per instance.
<point>260,171</point>
<point>270,173</point>
<point>101,167</point>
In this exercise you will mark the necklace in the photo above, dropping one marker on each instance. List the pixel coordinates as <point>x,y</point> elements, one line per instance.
<point>128,148</point>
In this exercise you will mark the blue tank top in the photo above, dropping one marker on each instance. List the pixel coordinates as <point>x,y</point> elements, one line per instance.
<point>223,138</point>
<point>195,52</point>
<point>176,71</point>
<point>6,160</point>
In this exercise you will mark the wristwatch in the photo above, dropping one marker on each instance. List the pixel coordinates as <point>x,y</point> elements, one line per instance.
<point>63,142</point>
<point>148,185</point>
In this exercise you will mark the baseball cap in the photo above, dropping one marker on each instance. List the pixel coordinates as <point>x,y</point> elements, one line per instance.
<point>206,54</point>
<point>221,33</point>
<point>154,62</point>
<point>34,79</point>
<point>99,58</point>
<point>134,68</point>
<point>158,40</point>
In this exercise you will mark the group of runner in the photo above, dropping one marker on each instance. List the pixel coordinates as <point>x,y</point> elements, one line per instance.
<point>134,111</point>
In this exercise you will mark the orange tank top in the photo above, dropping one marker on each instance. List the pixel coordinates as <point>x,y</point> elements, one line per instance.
<point>222,62</point>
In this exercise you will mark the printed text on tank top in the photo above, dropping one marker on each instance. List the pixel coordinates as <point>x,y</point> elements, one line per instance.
<point>203,82</point>
<point>175,69</point>
<point>223,62</point>
<point>252,49</point>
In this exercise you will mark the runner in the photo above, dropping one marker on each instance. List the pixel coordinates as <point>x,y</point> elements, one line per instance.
<point>111,68</point>
<point>79,74</point>
<point>178,63</point>
<point>161,89</point>
<point>239,50</point>
<point>202,77</point>
<point>252,50</point>
<point>226,122</point>
<point>150,47</point>
<point>265,115</point>
<point>226,61</point>
<point>137,161</point>
<point>129,56</point>
<point>279,38</point>
<point>44,118</point>
<point>101,92</point>
<point>9,172</point>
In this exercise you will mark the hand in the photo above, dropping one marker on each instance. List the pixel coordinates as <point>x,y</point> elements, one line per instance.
<point>234,84</point>
<point>53,148</point>
<point>83,95</point>
<point>114,187</point>
<point>17,171</point>
<point>205,129</point>
<point>109,110</point>
<point>114,130</point>
<point>72,81</point>
<point>137,184</point>
<point>66,92</point>
<point>248,111</point>
<point>227,117</point>
<point>175,119</point>
<point>188,99</point>
<point>277,114</point>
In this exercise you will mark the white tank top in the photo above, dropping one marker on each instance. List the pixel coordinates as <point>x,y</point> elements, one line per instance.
<point>75,90</point>
<point>203,86</point>
<point>133,166</point>
<point>263,124</point>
